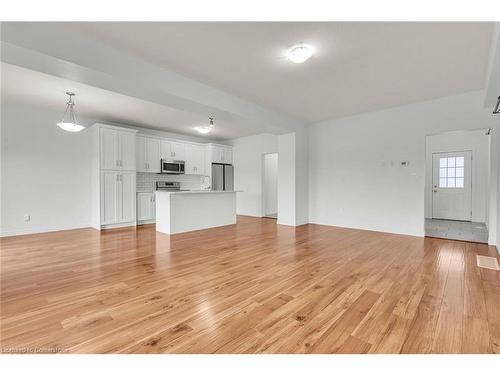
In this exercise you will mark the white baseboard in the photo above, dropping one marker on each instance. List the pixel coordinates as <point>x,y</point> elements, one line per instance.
<point>373,229</point>
<point>21,232</point>
<point>150,221</point>
<point>120,225</point>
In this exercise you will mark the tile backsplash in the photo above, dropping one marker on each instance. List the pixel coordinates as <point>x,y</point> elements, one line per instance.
<point>146,181</point>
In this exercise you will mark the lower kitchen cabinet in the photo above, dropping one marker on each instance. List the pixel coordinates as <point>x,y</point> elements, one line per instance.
<point>145,208</point>
<point>117,198</point>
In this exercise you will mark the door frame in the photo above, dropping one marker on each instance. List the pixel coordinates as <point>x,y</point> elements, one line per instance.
<point>471,181</point>
<point>262,185</point>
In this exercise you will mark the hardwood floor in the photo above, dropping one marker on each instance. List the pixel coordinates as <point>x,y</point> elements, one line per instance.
<point>255,287</point>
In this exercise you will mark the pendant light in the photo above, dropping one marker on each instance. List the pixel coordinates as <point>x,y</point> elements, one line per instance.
<point>68,121</point>
<point>497,107</point>
<point>206,129</point>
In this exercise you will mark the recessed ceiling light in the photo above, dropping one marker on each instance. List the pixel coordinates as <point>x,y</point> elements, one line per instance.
<point>299,53</point>
<point>206,129</point>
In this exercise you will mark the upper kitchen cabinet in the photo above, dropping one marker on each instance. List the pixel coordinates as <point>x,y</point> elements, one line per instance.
<point>195,159</point>
<point>148,154</point>
<point>173,150</point>
<point>117,149</point>
<point>221,154</point>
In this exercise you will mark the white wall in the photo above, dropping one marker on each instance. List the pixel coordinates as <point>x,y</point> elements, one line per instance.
<point>356,179</point>
<point>45,172</point>
<point>270,184</point>
<point>479,143</point>
<point>247,160</point>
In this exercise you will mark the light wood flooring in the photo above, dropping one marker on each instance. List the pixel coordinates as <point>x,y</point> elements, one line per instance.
<point>254,287</point>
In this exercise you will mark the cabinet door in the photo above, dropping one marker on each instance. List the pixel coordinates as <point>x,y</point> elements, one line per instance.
<point>217,155</point>
<point>145,206</point>
<point>166,150</point>
<point>140,154</point>
<point>178,151</point>
<point>228,155</point>
<point>109,197</point>
<point>127,151</point>
<point>127,197</point>
<point>109,149</point>
<point>153,155</point>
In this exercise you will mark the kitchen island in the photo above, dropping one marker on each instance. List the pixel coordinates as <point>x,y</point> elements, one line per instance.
<point>185,211</point>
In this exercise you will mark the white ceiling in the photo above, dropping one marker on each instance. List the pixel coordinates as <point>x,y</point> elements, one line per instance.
<point>357,67</point>
<point>34,88</point>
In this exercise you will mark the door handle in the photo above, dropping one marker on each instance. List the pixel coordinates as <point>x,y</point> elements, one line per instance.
<point>434,191</point>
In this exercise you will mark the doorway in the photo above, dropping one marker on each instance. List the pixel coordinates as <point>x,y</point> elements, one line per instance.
<point>452,185</point>
<point>270,185</point>
<point>457,180</point>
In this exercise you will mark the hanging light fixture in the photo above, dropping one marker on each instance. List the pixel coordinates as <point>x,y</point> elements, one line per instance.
<point>68,121</point>
<point>497,107</point>
<point>206,129</point>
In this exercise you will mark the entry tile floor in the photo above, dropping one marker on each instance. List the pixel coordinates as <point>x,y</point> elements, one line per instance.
<point>456,230</point>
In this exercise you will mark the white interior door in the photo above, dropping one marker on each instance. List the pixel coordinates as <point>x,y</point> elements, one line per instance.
<point>452,185</point>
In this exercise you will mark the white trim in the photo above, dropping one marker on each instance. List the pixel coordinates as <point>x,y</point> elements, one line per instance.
<point>148,221</point>
<point>44,230</point>
<point>118,225</point>
<point>367,228</point>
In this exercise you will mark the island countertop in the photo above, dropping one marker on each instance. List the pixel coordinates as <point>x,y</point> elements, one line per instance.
<point>199,191</point>
<point>185,211</point>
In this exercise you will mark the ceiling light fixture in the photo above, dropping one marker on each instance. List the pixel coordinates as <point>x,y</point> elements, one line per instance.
<point>299,53</point>
<point>68,121</point>
<point>206,129</point>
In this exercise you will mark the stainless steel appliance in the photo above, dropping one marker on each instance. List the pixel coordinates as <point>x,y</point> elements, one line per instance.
<point>222,177</point>
<point>172,166</point>
<point>168,185</point>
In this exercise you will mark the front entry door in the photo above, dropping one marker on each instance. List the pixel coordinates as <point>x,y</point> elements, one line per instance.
<point>452,185</point>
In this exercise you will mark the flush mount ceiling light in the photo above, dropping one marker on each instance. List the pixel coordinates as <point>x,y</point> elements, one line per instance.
<point>68,121</point>
<point>206,129</point>
<point>299,53</point>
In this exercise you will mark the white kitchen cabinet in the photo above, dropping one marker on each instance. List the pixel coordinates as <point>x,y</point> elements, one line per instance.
<point>145,207</point>
<point>227,155</point>
<point>126,191</point>
<point>109,197</point>
<point>195,159</point>
<point>140,153</point>
<point>221,154</point>
<point>148,154</point>
<point>117,198</point>
<point>171,150</point>
<point>127,151</point>
<point>117,149</point>
<point>113,176</point>
<point>153,155</point>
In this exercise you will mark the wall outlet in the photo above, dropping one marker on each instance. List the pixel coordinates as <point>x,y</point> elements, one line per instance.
<point>27,218</point>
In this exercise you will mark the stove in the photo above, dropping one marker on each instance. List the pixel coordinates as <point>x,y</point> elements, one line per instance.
<point>168,185</point>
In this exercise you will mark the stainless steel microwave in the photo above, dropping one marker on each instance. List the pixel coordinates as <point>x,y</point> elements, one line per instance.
<point>172,166</point>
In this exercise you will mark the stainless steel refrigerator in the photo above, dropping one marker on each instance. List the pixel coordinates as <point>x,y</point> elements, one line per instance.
<point>222,177</point>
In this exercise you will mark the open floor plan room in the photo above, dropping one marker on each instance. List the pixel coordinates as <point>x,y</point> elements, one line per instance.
<point>250,188</point>
<point>250,288</point>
